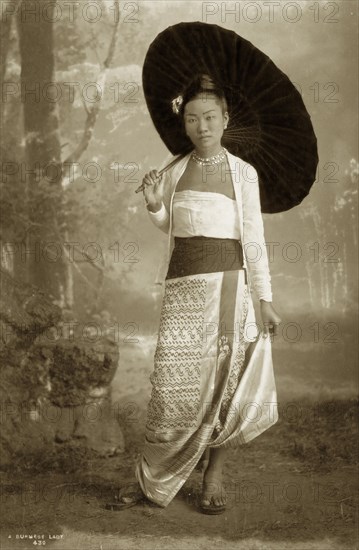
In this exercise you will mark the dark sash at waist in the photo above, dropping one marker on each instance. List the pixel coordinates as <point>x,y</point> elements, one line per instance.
<point>195,255</point>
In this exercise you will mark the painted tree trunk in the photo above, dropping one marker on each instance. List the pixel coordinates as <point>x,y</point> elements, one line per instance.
<point>43,172</point>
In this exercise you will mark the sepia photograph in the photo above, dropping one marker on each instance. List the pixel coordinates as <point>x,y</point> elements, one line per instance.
<point>179,275</point>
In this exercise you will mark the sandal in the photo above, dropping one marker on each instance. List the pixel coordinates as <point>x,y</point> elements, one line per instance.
<point>128,499</point>
<point>212,509</point>
<point>207,505</point>
<point>117,506</point>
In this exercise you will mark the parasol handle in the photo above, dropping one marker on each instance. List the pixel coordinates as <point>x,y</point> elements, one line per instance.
<point>163,170</point>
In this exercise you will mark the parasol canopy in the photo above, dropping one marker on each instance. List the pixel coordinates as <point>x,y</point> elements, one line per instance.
<point>269,126</point>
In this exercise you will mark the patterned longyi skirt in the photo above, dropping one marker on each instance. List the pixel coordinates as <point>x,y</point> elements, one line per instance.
<point>211,386</point>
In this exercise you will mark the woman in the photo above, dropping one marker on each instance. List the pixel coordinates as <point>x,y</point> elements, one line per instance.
<point>209,205</point>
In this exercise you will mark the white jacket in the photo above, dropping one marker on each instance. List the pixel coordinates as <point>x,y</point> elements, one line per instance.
<point>246,189</point>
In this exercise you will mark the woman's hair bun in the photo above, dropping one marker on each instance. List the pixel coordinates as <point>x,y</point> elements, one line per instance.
<point>200,84</point>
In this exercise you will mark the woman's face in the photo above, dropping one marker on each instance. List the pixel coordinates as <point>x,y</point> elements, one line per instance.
<point>205,121</point>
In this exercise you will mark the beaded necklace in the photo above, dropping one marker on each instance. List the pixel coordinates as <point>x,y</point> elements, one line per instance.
<point>216,159</point>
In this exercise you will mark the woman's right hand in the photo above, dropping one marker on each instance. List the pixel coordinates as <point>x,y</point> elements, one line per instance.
<point>153,189</point>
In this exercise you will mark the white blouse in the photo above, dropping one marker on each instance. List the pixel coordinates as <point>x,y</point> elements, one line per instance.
<point>203,213</point>
<point>190,213</point>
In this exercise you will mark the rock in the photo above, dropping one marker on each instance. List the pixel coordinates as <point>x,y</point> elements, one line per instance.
<point>79,371</point>
<point>52,389</point>
<point>25,313</point>
<point>97,423</point>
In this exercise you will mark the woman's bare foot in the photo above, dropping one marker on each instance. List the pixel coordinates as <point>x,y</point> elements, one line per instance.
<point>213,492</point>
<point>214,498</point>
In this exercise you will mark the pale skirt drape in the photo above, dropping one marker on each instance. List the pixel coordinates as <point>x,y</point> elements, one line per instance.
<point>211,387</point>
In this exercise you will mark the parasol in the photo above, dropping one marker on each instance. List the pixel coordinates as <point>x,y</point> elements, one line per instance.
<point>269,125</point>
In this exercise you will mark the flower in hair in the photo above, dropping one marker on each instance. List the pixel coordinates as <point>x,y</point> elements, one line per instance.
<point>176,104</point>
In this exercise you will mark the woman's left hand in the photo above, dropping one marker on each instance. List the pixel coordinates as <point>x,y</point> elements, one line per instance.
<point>270,318</point>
